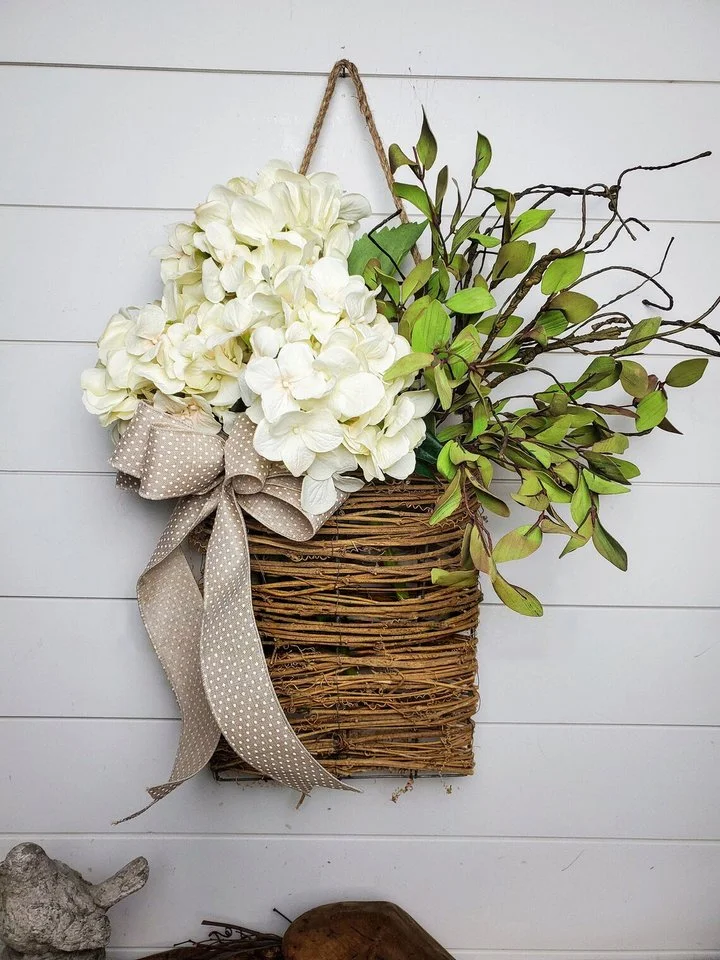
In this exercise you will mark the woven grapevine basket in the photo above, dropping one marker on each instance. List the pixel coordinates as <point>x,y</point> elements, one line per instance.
<point>374,665</point>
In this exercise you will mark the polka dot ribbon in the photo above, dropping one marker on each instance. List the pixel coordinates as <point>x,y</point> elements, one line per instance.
<point>208,643</point>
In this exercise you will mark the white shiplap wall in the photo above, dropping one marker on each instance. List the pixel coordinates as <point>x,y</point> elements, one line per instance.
<point>592,826</point>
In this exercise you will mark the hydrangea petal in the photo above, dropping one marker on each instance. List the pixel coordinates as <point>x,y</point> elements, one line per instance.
<point>277,403</point>
<point>296,456</point>
<point>403,467</point>
<point>262,373</point>
<point>317,496</point>
<point>321,431</point>
<point>354,207</point>
<point>356,394</point>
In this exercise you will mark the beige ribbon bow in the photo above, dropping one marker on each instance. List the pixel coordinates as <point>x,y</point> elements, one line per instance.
<point>208,644</point>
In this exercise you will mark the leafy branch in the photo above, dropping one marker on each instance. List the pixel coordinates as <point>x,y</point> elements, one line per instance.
<point>464,309</point>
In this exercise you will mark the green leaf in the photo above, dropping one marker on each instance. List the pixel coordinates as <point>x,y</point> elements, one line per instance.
<point>517,544</point>
<point>439,283</point>
<point>600,485</point>
<point>504,200</point>
<point>651,411</point>
<point>687,372</point>
<point>483,156</point>
<point>552,322</point>
<point>464,232</point>
<point>452,432</point>
<point>466,347</point>
<point>427,145</point>
<point>443,388</point>
<point>576,306</point>
<point>540,453</point>
<point>634,378</point>
<point>584,532</point>
<point>414,195</point>
<point>432,329</point>
<point>627,469</point>
<point>608,547</point>
<point>568,472</point>
<point>530,220</point>
<point>556,432</point>
<point>472,300</point>
<point>417,278</point>
<point>411,315</point>
<point>555,493</point>
<point>408,364</point>
<point>445,465</point>
<point>615,443</point>
<point>561,273</point>
<point>441,186</point>
<point>390,285</point>
<point>641,336</point>
<point>537,501</point>
<point>607,467</point>
<point>581,416</point>
<point>492,503</point>
<point>581,502</point>
<point>457,213</point>
<point>398,158</point>
<point>453,578</point>
<point>486,240</point>
<point>602,372</point>
<point>423,470</point>
<point>508,352</point>
<point>513,258</point>
<point>429,449</point>
<point>557,527</point>
<point>558,402</point>
<point>480,419</point>
<point>458,454</point>
<point>478,553</point>
<point>506,329</point>
<point>448,502</point>
<point>516,598</point>
<point>396,241</point>
<point>485,469</point>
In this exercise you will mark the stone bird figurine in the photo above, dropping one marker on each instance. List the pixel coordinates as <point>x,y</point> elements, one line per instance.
<point>49,912</point>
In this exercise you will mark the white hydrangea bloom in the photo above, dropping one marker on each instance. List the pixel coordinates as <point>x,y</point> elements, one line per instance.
<point>259,312</point>
<point>104,399</point>
<point>151,354</point>
<point>249,230</point>
<point>322,406</point>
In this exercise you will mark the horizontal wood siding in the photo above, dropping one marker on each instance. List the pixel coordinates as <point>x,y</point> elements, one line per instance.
<point>591,829</point>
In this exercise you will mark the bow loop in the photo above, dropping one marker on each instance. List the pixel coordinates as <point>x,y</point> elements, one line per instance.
<point>167,457</point>
<point>278,507</point>
<point>247,470</point>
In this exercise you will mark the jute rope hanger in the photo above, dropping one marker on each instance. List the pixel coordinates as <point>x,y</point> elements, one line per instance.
<point>345,68</point>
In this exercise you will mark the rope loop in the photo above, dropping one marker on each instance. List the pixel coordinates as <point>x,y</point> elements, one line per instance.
<point>343,69</point>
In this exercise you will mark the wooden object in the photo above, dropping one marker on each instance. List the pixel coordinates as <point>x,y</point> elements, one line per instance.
<point>372,930</point>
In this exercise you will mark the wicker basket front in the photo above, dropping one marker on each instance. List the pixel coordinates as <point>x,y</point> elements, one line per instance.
<point>374,666</point>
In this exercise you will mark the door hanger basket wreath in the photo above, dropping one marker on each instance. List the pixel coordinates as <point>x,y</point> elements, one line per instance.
<point>332,415</point>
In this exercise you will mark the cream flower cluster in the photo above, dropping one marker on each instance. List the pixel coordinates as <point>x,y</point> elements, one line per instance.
<point>321,402</point>
<point>259,313</point>
<point>246,232</point>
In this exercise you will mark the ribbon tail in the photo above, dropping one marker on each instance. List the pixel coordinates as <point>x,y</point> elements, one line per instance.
<point>235,673</point>
<point>171,607</point>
